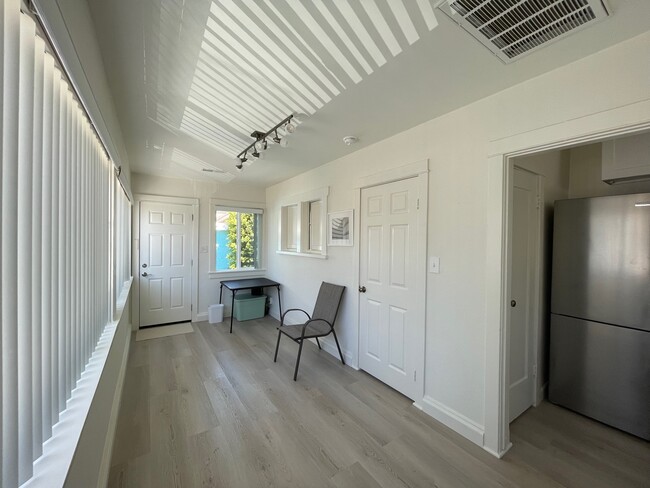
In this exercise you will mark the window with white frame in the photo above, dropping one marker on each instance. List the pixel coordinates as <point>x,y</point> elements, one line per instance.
<point>237,238</point>
<point>302,224</point>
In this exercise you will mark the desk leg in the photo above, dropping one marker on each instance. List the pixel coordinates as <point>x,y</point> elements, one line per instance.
<point>232,309</point>
<point>279,302</point>
<point>220,292</point>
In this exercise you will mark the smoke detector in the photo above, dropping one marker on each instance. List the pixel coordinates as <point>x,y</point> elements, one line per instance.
<point>514,28</point>
<point>349,140</point>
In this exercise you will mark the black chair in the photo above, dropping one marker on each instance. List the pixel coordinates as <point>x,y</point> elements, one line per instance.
<point>320,323</point>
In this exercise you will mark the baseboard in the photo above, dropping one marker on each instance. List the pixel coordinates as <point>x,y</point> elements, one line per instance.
<point>453,419</point>
<point>105,467</point>
<point>499,454</point>
<point>202,317</point>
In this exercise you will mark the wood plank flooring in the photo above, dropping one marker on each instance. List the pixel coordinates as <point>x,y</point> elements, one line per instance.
<point>211,409</point>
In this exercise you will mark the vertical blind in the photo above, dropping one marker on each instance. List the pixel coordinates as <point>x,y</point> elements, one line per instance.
<point>64,244</point>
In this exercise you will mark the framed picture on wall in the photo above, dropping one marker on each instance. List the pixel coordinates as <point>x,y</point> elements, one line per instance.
<point>340,227</point>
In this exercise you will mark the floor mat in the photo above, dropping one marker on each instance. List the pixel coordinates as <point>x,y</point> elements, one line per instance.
<point>163,331</point>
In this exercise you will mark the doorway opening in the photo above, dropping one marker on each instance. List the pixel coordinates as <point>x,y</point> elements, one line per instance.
<point>570,172</point>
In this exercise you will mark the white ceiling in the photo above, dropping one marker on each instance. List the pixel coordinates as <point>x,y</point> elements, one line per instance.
<point>192,79</point>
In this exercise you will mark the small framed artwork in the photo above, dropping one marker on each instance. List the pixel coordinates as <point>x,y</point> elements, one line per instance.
<point>340,227</point>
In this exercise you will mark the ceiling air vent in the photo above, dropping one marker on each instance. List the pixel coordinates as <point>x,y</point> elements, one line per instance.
<point>513,28</point>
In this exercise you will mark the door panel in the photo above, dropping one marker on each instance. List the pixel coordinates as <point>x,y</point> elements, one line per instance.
<point>389,335</point>
<point>525,242</point>
<point>165,257</point>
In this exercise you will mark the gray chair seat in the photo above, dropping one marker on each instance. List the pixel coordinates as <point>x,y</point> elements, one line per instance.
<point>317,328</point>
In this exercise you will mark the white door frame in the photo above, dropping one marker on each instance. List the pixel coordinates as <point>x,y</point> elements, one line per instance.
<point>419,170</point>
<point>619,121</point>
<point>135,250</point>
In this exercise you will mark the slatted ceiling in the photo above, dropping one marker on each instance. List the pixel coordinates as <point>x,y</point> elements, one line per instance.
<point>381,26</point>
<point>427,14</point>
<point>511,28</point>
<point>256,62</point>
<point>258,37</point>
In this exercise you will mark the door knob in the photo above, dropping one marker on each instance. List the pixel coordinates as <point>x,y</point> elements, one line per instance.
<point>145,274</point>
<point>513,303</point>
<point>144,265</point>
<point>362,289</point>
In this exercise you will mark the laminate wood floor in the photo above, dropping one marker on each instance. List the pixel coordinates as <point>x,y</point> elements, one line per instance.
<point>211,409</point>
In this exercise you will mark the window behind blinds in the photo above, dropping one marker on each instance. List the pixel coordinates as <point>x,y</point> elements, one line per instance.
<point>64,240</point>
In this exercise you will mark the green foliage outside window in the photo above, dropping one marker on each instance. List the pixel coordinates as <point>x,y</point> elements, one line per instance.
<point>247,239</point>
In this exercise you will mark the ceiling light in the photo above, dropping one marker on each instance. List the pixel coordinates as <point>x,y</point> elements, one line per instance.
<point>284,142</point>
<point>349,140</point>
<point>261,143</point>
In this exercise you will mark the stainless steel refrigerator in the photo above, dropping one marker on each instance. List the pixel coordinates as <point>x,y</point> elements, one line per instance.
<point>600,310</point>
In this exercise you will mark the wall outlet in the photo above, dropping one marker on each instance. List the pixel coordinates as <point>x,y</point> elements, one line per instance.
<point>434,264</point>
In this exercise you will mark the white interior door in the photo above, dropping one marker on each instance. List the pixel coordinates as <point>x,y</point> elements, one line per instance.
<point>525,249</point>
<point>391,316</point>
<point>165,263</point>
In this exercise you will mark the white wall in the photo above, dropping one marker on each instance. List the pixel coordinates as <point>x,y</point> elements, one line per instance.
<point>553,168</point>
<point>204,191</point>
<point>458,146</point>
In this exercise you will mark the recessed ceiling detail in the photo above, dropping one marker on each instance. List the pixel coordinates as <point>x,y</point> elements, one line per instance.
<point>257,61</point>
<point>197,167</point>
<point>512,28</point>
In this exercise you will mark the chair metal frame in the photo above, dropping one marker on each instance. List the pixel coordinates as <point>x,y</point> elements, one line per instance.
<point>300,340</point>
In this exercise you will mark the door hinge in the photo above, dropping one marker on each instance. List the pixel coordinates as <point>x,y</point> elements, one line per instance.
<point>191,307</point>
<point>534,370</point>
<point>415,375</point>
<point>539,203</point>
<point>192,217</point>
<point>191,262</point>
<point>418,204</point>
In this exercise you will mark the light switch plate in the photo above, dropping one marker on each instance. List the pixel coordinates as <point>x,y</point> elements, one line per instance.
<point>434,264</point>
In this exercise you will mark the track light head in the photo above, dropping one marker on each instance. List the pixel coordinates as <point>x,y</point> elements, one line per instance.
<point>276,139</point>
<point>290,128</point>
<point>255,153</point>
<point>240,164</point>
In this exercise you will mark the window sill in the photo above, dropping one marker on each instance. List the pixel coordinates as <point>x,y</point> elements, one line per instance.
<point>216,275</point>
<point>303,254</point>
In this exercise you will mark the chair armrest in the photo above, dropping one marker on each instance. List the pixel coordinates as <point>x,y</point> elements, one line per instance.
<point>293,310</point>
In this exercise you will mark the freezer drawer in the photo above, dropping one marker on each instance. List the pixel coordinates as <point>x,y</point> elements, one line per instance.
<point>601,260</point>
<point>601,371</point>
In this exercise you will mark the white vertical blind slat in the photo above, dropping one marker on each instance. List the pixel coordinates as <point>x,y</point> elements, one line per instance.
<point>11,39</point>
<point>37,242</point>
<point>63,225</point>
<point>24,237</point>
<point>55,279</point>
<point>46,249</point>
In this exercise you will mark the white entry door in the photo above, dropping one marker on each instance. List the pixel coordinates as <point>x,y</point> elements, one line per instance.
<point>391,331</point>
<point>165,263</point>
<point>525,250</point>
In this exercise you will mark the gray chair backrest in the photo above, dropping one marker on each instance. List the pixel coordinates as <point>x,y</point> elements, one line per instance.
<point>328,302</point>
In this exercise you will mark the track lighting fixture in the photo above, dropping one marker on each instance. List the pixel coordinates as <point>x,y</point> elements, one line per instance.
<point>261,140</point>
